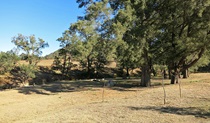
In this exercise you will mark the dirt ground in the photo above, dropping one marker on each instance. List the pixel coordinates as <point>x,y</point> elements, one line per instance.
<point>83,102</point>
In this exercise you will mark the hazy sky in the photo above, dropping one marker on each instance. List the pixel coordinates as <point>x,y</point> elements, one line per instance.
<point>46,19</point>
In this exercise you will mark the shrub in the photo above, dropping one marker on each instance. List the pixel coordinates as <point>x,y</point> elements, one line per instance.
<point>7,61</point>
<point>24,73</point>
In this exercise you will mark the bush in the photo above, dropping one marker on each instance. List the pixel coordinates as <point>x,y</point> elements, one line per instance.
<point>24,73</point>
<point>7,61</point>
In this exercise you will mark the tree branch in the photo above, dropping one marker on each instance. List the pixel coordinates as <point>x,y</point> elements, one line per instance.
<point>194,61</point>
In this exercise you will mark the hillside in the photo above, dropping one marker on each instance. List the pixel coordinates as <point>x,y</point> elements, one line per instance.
<point>52,55</point>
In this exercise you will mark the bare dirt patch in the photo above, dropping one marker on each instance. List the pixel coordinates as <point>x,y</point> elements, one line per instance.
<point>81,101</point>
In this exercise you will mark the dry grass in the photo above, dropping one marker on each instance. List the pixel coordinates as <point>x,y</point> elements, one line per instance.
<point>49,62</point>
<point>81,101</point>
<point>46,63</point>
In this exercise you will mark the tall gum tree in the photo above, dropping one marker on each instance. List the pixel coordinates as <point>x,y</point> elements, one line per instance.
<point>95,45</point>
<point>68,43</point>
<point>30,46</point>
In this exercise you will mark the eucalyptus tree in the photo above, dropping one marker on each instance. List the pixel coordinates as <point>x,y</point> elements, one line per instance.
<point>68,43</point>
<point>85,46</point>
<point>30,46</point>
<point>96,45</point>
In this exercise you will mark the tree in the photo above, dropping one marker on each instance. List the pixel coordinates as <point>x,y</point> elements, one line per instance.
<point>94,45</point>
<point>202,63</point>
<point>57,65</point>
<point>86,44</point>
<point>65,43</point>
<point>104,53</point>
<point>132,22</point>
<point>135,24</point>
<point>70,44</point>
<point>175,32</point>
<point>24,73</point>
<point>180,33</point>
<point>126,58</point>
<point>185,33</point>
<point>30,46</point>
<point>8,61</point>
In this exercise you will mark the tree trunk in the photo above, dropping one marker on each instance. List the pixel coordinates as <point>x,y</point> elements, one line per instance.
<point>169,73</point>
<point>145,77</point>
<point>164,74</point>
<point>185,74</point>
<point>154,72</point>
<point>174,78</point>
<point>127,72</point>
<point>69,65</point>
<point>64,65</point>
<point>30,62</point>
<point>88,67</point>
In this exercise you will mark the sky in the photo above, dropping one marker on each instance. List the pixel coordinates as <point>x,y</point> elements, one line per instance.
<point>46,19</point>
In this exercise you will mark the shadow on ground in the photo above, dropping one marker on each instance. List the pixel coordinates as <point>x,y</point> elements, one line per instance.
<point>74,86</point>
<point>125,87</point>
<point>58,87</point>
<point>197,112</point>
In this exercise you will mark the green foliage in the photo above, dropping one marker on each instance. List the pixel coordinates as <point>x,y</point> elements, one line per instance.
<point>30,46</point>
<point>86,39</point>
<point>104,53</point>
<point>7,61</point>
<point>23,56</point>
<point>142,33</point>
<point>183,37</point>
<point>126,56</point>
<point>203,62</point>
<point>57,65</point>
<point>172,32</point>
<point>68,42</point>
<point>28,71</point>
<point>24,72</point>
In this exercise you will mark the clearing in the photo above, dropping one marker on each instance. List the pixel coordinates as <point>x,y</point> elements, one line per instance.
<point>70,101</point>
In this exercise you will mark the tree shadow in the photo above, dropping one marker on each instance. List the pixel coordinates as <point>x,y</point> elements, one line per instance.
<point>63,86</point>
<point>125,87</point>
<point>197,112</point>
<point>46,87</point>
<point>74,86</point>
<point>31,90</point>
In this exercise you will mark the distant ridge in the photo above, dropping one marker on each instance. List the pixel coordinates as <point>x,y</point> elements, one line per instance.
<point>52,55</point>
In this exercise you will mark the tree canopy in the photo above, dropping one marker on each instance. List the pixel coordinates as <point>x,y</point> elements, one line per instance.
<point>140,33</point>
<point>30,46</point>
